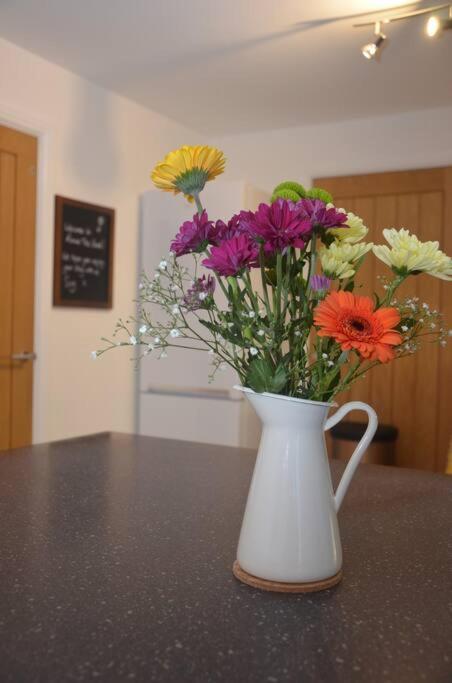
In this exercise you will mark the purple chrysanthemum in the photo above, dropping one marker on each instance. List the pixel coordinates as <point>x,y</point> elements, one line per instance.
<point>278,226</point>
<point>232,256</point>
<point>320,283</point>
<point>319,216</point>
<point>221,232</point>
<point>193,235</point>
<point>201,289</point>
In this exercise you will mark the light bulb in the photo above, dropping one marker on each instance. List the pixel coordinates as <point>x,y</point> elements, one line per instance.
<point>369,50</point>
<point>432,26</point>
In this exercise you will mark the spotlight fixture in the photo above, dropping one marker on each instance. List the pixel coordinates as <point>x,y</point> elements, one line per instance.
<point>371,49</point>
<point>433,27</point>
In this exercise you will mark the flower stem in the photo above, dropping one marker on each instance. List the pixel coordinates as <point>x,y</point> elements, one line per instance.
<point>199,206</point>
<point>392,288</point>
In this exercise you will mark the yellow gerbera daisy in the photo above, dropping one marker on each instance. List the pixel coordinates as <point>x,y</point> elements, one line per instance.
<point>188,169</point>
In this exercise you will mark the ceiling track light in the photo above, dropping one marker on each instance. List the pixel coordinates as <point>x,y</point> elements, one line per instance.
<point>370,50</point>
<point>433,27</point>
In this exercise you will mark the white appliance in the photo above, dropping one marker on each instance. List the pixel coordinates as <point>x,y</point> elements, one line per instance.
<point>174,397</point>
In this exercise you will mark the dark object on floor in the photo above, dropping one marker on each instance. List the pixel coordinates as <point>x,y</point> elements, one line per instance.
<point>346,435</point>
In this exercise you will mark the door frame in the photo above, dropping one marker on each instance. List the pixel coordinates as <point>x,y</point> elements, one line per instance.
<point>24,123</point>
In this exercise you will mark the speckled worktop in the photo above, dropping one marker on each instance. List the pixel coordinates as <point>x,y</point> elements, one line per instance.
<point>115,565</point>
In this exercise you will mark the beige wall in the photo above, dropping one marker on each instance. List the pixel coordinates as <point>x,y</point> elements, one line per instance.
<point>388,143</point>
<point>98,147</point>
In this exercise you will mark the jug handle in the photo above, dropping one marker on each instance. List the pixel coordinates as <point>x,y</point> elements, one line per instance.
<point>360,448</point>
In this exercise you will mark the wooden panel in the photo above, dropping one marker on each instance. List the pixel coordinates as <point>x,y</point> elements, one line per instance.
<point>23,298</point>
<point>444,401</point>
<point>405,375</point>
<point>415,393</point>
<point>19,193</point>
<point>7,194</point>
<point>381,392</point>
<point>397,182</point>
<point>427,359</point>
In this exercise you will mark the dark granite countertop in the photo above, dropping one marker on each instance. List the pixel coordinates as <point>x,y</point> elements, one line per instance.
<point>115,565</point>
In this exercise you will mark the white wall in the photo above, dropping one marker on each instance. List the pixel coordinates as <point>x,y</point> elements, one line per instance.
<point>98,147</point>
<point>407,141</point>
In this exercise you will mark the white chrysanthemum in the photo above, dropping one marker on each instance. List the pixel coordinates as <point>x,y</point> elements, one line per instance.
<point>409,255</point>
<point>339,260</point>
<point>352,231</point>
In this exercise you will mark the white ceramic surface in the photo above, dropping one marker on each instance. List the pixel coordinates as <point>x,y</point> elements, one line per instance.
<point>290,530</point>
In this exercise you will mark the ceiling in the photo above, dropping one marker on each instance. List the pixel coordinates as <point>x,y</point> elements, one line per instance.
<point>227,66</point>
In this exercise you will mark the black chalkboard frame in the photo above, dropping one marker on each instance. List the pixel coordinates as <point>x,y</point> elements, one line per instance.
<point>58,295</point>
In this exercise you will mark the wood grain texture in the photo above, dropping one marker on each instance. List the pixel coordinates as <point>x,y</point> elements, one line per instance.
<point>444,401</point>
<point>374,184</point>
<point>7,214</point>
<point>413,393</point>
<point>18,192</point>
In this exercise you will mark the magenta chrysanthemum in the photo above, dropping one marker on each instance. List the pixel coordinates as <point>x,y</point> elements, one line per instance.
<point>222,231</point>
<point>278,226</point>
<point>201,289</point>
<point>319,216</point>
<point>232,256</point>
<point>193,235</point>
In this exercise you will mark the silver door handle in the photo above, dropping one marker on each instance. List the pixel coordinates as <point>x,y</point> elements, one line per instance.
<point>25,355</point>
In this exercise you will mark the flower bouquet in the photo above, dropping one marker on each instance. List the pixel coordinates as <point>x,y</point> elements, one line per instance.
<point>288,319</point>
<point>272,293</point>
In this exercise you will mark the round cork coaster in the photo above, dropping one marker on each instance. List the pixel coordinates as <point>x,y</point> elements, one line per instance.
<point>281,586</point>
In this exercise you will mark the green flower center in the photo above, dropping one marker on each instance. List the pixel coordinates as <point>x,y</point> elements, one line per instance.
<point>192,182</point>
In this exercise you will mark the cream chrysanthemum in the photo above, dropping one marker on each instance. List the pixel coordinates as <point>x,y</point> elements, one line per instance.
<point>409,255</point>
<point>352,231</point>
<point>340,260</point>
<point>188,169</point>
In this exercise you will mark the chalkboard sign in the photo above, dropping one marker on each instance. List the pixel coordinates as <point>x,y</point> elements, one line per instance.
<point>83,266</point>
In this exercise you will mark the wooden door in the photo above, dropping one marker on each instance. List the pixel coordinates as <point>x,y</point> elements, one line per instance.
<point>415,393</point>
<point>18,155</point>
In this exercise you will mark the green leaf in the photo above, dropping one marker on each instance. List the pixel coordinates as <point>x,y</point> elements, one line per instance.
<point>279,380</point>
<point>263,376</point>
<point>350,286</point>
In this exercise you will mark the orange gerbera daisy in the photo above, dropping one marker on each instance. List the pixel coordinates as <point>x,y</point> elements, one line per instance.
<point>352,321</point>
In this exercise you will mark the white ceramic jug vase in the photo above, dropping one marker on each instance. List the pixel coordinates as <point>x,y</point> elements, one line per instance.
<point>289,539</point>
